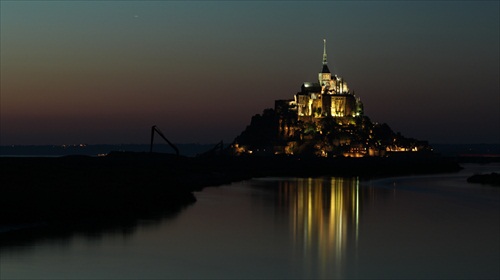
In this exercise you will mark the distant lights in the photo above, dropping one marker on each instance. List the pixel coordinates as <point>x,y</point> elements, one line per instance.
<point>64,146</point>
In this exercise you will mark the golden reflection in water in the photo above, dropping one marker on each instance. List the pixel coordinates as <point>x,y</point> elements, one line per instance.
<point>324,216</point>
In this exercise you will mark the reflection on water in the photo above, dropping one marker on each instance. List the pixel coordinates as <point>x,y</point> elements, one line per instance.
<point>325,217</point>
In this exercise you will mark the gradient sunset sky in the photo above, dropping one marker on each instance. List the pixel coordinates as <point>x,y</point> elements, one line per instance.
<point>104,72</point>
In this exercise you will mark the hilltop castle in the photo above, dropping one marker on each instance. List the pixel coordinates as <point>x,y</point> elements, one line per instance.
<point>330,96</point>
<point>325,119</point>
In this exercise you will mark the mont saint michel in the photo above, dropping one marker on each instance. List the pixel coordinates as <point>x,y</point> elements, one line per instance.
<point>325,119</point>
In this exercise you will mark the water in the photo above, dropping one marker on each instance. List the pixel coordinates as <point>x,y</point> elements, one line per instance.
<point>433,226</point>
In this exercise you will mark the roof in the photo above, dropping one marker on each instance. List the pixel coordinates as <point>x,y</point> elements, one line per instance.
<point>325,69</point>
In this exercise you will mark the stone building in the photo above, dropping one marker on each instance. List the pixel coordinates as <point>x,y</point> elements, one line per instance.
<point>329,97</point>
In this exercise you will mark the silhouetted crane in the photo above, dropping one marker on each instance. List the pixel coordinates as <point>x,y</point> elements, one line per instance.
<point>219,147</point>
<point>153,129</point>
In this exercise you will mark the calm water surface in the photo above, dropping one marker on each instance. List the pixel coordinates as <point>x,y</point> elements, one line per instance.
<point>434,226</point>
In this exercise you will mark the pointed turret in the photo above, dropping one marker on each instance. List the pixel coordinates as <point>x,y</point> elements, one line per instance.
<point>324,77</point>
<point>324,52</point>
<point>325,67</point>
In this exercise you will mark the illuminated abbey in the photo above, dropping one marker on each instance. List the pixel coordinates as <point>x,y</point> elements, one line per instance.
<point>330,96</point>
<point>326,119</point>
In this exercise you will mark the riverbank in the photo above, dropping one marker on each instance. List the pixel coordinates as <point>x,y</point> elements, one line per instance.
<point>123,186</point>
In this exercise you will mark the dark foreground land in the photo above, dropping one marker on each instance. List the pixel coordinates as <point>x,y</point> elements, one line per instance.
<point>72,191</point>
<point>492,179</point>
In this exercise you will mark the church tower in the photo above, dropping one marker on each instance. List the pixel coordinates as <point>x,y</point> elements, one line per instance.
<point>325,76</point>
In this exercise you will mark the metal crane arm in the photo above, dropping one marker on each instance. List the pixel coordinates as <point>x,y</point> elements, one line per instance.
<point>153,129</point>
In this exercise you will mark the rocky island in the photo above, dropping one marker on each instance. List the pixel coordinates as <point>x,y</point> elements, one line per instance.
<point>324,119</point>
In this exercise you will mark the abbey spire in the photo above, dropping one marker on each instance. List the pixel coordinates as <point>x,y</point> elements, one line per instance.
<point>324,52</point>
<point>325,77</point>
<point>325,67</point>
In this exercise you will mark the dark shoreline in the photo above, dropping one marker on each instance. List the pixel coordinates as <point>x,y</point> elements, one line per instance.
<point>82,192</point>
<point>492,179</point>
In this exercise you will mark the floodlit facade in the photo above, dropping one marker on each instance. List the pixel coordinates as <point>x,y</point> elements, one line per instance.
<point>330,96</point>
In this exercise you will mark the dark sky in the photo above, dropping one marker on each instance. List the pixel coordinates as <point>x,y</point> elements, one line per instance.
<point>104,72</point>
